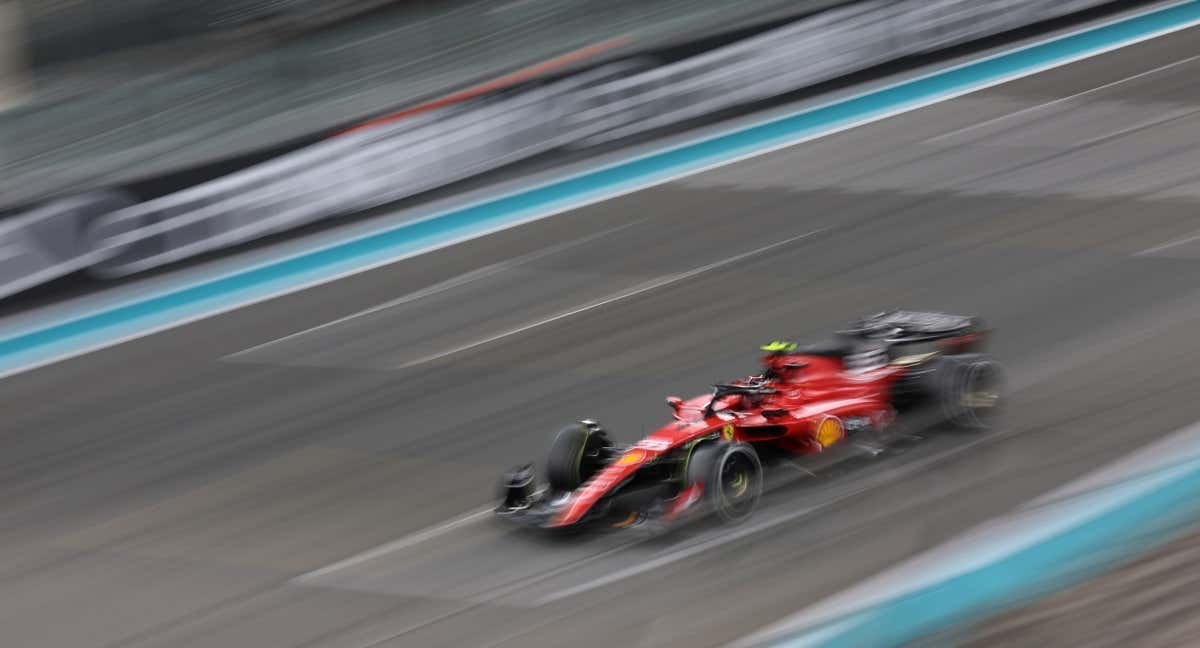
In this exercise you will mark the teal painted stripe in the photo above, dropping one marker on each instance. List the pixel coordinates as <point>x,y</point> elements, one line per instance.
<point>72,335</point>
<point>1062,560</point>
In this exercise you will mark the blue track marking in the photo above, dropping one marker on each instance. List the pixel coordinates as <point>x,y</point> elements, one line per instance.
<point>1139,523</point>
<point>39,344</point>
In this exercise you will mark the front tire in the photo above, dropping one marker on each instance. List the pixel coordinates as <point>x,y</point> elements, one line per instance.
<point>577,452</point>
<point>731,476</point>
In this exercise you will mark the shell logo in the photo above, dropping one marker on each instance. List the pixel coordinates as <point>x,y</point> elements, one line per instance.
<point>829,431</point>
<point>632,457</point>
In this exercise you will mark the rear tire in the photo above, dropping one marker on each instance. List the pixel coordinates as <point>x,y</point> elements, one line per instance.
<point>970,389</point>
<point>731,475</point>
<point>577,452</point>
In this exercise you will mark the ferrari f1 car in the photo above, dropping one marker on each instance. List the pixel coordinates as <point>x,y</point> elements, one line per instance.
<point>806,400</point>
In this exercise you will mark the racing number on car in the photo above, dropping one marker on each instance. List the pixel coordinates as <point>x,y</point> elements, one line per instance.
<point>829,431</point>
<point>727,432</point>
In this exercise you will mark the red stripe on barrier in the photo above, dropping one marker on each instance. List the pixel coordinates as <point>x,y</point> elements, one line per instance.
<point>500,83</point>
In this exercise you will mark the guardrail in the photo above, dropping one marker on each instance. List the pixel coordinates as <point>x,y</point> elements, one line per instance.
<point>379,165</point>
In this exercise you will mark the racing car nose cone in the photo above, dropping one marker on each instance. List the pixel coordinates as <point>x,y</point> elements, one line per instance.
<point>518,487</point>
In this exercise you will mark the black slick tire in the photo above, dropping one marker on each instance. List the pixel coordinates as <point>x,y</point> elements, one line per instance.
<point>576,453</point>
<point>732,478</point>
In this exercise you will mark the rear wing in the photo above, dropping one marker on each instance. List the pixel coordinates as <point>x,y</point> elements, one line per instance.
<point>900,327</point>
<point>891,336</point>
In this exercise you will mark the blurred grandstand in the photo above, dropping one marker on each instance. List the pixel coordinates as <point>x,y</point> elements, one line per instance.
<point>67,30</point>
<point>125,89</point>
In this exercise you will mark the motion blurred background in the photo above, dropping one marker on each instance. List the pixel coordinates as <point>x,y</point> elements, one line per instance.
<point>313,467</point>
<point>164,85</point>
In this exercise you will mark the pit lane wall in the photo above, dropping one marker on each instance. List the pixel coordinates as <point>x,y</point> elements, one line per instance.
<point>397,160</point>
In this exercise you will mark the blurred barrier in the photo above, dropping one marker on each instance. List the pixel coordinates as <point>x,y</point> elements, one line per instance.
<point>816,49</point>
<point>52,241</point>
<point>392,161</point>
<point>350,173</point>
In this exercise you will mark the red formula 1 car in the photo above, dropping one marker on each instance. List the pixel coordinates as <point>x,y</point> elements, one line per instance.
<point>806,400</point>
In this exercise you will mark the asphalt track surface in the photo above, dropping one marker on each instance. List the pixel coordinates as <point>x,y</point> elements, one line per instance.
<point>218,484</point>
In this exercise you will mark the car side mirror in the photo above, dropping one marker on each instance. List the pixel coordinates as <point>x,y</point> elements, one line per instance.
<point>675,402</point>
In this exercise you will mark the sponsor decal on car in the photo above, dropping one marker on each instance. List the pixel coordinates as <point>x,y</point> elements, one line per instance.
<point>634,456</point>
<point>653,445</point>
<point>829,431</point>
<point>599,484</point>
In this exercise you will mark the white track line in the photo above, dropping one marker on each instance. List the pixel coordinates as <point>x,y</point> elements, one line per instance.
<point>674,556</point>
<point>449,284</point>
<point>409,540</point>
<point>1168,245</point>
<point>636,290</point>
<point>1139,126</point>
<point>1055,102</point>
